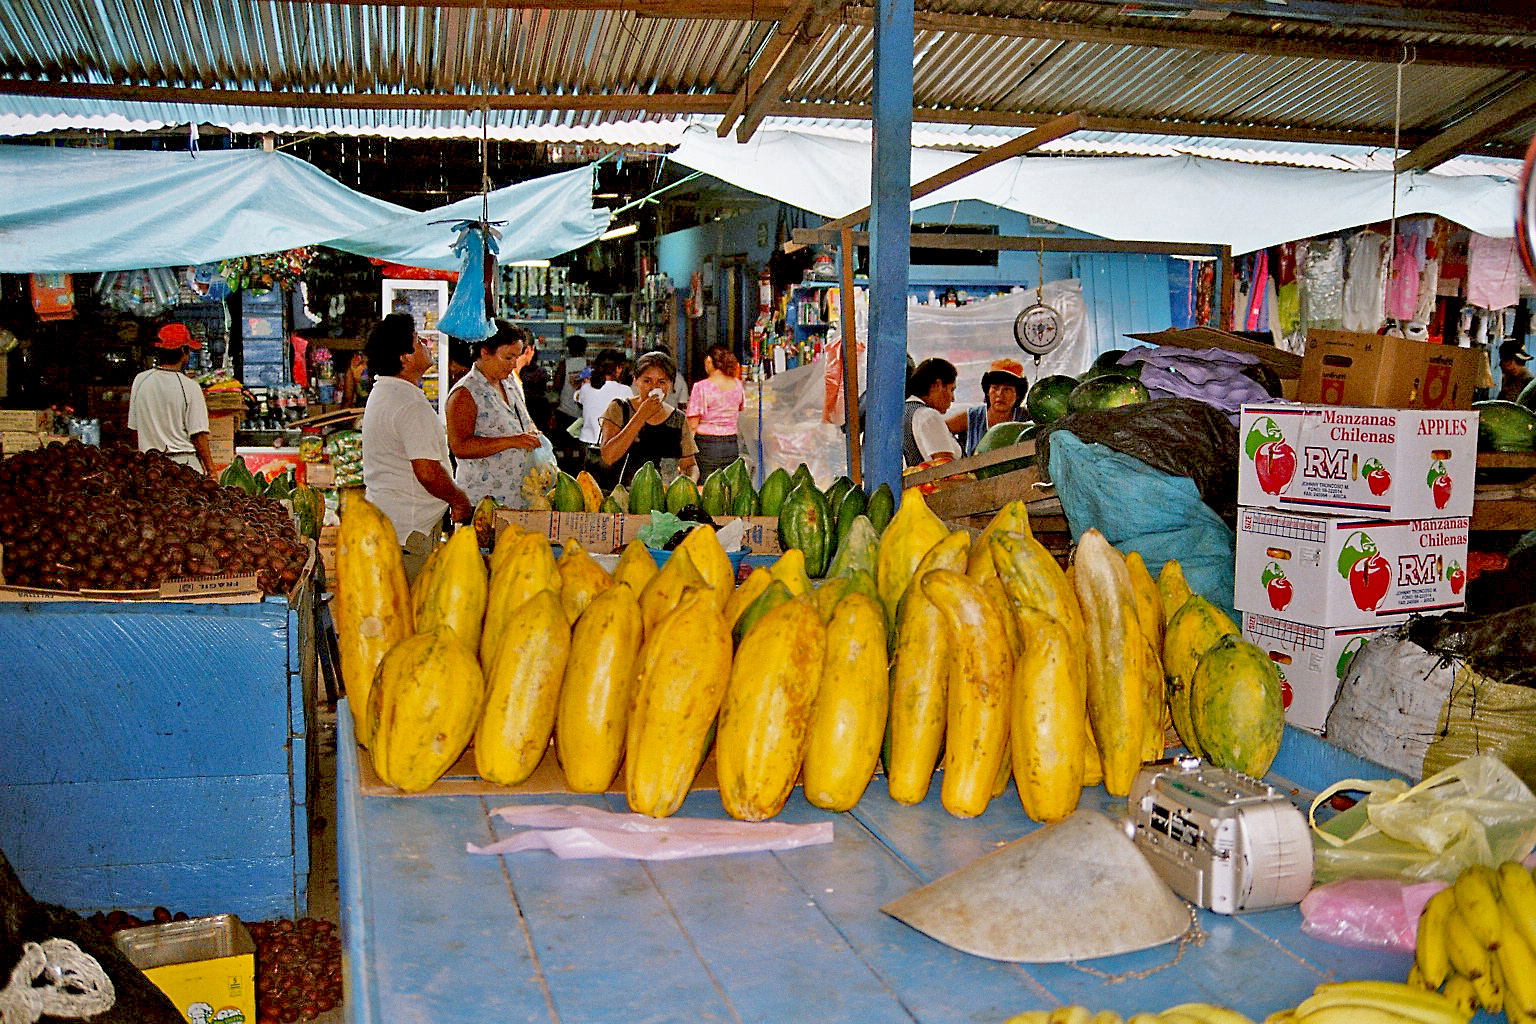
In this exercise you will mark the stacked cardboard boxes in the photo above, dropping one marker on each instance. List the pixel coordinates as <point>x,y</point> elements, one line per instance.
<point>1350,520</point>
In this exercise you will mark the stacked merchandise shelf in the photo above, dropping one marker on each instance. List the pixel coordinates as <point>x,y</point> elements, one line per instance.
<point>263,339</point>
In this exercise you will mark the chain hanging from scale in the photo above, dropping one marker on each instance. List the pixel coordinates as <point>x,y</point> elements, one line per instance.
<point>1037,329</point>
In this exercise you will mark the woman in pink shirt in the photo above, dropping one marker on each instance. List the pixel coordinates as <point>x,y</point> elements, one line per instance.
<point>713,405</point>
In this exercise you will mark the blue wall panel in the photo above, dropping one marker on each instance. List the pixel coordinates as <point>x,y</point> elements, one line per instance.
<point>254,889</point>
<point>1124,293</point>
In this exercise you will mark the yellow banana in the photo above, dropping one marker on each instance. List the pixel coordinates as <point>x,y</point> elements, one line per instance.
<point>1281,1017</point>
<point>1350,1013</point>
<point>1490,987</point>
<point>1477,897</point>
<point>1173,1016</point>
<point>1468,956</point>
<point>1416,979</point>
<point>1517,961</point>
<point>1143,1018</point>
<point>1429,953</point>
<point>1517,892</point>
<point>1029,1016</point>
<point>1106,1017</point>
<point>1407,1002</point>
<point>1073,1014</point>
<point>1209,1013</point>
<point>1458,989</point>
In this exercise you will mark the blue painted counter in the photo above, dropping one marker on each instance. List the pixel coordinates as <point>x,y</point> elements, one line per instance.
<point>434,934</point>
<point>160,753</point>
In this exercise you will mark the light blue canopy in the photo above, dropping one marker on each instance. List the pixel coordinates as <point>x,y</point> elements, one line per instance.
<point>69,210</point>
<point>542,217</point>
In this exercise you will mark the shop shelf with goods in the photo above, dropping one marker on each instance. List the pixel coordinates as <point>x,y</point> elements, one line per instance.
<point>263,354</point>
<point>553,307</point>
<point>426,302</point>
<point>167,755</point>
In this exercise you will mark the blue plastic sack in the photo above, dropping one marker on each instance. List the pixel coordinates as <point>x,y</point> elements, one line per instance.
<point>467,316</point>
<point>1138,508</point>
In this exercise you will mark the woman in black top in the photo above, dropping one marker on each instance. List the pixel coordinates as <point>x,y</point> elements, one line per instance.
<point>646,428</point>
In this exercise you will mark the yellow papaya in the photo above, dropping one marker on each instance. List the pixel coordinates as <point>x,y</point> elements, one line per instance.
<point>742,597</point>
<point>636,566</point>
<point>766,713</point>
<point>1236,708</point>
<point>919,677</point>
<point>372,609</point>
<point>979,686</point>
<point>1011,518</point>
<point>422,583</point>
<point>1172,589</point>
<point>596,691</point>
<point>591,494</point>
<point>506,540</point>
<point>1093,765</point>
<point>661,594</point>
<point>684,668</point>
<point>710,559</point>
<point>842,749</point>
<point>523,690</point>
<point>1192,631</point>
<point>1049,720</point>
<point>1149,603</point>
<point>789,569</point>
<point>581,579</point>
<point>1116,659</point>
<point>423,707</point>
<point>911,533</point>
<point>456,594</point>
<point>1033,578</point>
<point>527,569</point>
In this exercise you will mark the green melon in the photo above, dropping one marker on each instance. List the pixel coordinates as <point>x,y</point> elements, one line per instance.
<point>1005,435</point>
<point>1236,708</point>
<point>1109,391</point>
<point>1504,427</point>
<point>1047,399</point>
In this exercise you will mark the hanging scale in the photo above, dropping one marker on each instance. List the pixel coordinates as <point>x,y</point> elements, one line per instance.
<point>1037,328</point>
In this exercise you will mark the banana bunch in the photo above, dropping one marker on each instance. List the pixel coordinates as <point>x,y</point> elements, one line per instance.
<point>1477,942</point>
<point>1372,1002</point>
<point>1184,1013</point>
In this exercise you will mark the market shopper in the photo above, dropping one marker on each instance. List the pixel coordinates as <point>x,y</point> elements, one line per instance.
<point>1004,386</point>
<point>600,390</point>
<point>713,408</point>
<point>646,428</point>
<point>490,432</point>
<point>930,393</point>
<point>1513,373</point>
<point>405,453</point>
<point>166,410</point>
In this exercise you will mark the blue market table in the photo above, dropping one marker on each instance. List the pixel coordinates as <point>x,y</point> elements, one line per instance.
<point>433,934</point>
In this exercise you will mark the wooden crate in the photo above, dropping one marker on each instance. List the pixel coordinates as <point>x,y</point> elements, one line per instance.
<point>958,499</point>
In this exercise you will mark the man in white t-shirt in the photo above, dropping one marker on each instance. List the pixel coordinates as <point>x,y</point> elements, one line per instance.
<point>405,448</point>
<point>166,410</point>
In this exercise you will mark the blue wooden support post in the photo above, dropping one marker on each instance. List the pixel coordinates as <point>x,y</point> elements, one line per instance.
<point>890,230</point>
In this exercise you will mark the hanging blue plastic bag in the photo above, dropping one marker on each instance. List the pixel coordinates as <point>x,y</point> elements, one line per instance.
<point>468,315</point>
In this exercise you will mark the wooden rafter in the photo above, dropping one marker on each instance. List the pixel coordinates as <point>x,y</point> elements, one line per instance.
<point>772,52</point>
<point>771,92</point>
<point>1473,129</point>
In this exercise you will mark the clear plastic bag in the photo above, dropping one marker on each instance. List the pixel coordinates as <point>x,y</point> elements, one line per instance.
<point>1476,811</point>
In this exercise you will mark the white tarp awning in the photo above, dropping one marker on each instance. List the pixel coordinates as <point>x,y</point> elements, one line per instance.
<point>1142,199</point>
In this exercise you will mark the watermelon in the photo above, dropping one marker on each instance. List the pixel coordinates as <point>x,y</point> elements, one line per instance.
<point>1047,400</point>
<point>1108,391</point>
<point>1504,427</point>
<point>1527,396</point>
<point>1107,362</point>
<point>1002,436</point>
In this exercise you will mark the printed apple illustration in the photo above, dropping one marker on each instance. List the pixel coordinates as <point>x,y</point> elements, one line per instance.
<point>1368,573</point>
<point>1455,577</point>
<point>1347,655</point>
<point>1276,586</point>
<point>1286,693</point>
<point>1273,458</point>
<point>1439,483</point>
<point>1376,476</point>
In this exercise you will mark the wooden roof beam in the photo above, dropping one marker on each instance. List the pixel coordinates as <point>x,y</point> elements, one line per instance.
<point>1461,17</point>
<point>768,58</point>
<point>771,91</point>
<point>1466,134</point>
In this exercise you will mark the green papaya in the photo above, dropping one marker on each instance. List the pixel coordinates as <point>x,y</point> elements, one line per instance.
<point>280,486</point>
<point>882,505</point>
<point>715,495</point>
<point>610,506</point>
<point>745,502</point>
<point>806,523</point>
<point>681,494</point>
<point>309,510</point>
<point>620,497</point>
<point>237,475</point>
<point>646,495</point>
<point>566,495</point>
<point>738,477</point>
<point>853,504</point>
<point>776,594</point>
<point>856,548</point>
<point>841,486</point>
<point>802,476</point>
<point>774,490</point>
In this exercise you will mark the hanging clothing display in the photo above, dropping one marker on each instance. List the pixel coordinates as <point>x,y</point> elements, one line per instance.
<point>1429,272</point>
<point>1493,272</point>
<point>1320,268</point>
<point>1363,298</point>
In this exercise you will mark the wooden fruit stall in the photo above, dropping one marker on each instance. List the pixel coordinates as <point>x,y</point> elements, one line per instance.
<point>1510,503</point>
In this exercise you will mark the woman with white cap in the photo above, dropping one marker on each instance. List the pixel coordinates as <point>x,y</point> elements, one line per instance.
<point>166,410</point>
<point>1005,387</point>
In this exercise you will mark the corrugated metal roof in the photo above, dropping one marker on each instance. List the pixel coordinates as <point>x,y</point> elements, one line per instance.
<point>1230,67</point>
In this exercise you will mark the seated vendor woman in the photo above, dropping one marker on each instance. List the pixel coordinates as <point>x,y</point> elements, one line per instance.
<point>930,393</point>
<point>645,428</point>
<point>489,430</point>
<point>1005,387</point>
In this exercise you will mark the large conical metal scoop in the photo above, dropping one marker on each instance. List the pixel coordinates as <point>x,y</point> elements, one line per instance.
<point>1075,890</point>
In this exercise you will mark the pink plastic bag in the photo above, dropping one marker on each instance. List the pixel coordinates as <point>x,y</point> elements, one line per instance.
<point>1366,913</point>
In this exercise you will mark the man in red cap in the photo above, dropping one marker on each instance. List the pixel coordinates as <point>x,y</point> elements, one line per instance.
<point>166,411</point>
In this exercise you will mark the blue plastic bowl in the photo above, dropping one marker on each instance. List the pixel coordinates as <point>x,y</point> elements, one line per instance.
<point>736,557</point>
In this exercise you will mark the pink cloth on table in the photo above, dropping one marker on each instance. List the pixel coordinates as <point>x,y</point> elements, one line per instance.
<point>716,409</point>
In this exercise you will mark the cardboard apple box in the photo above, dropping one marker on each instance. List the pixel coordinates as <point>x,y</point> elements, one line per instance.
<point>1381,463</point>
<point>1312,661</point>
<point>1329,571</point>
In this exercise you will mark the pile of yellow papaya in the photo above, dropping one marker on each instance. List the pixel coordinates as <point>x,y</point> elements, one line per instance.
<point>923,647</point>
